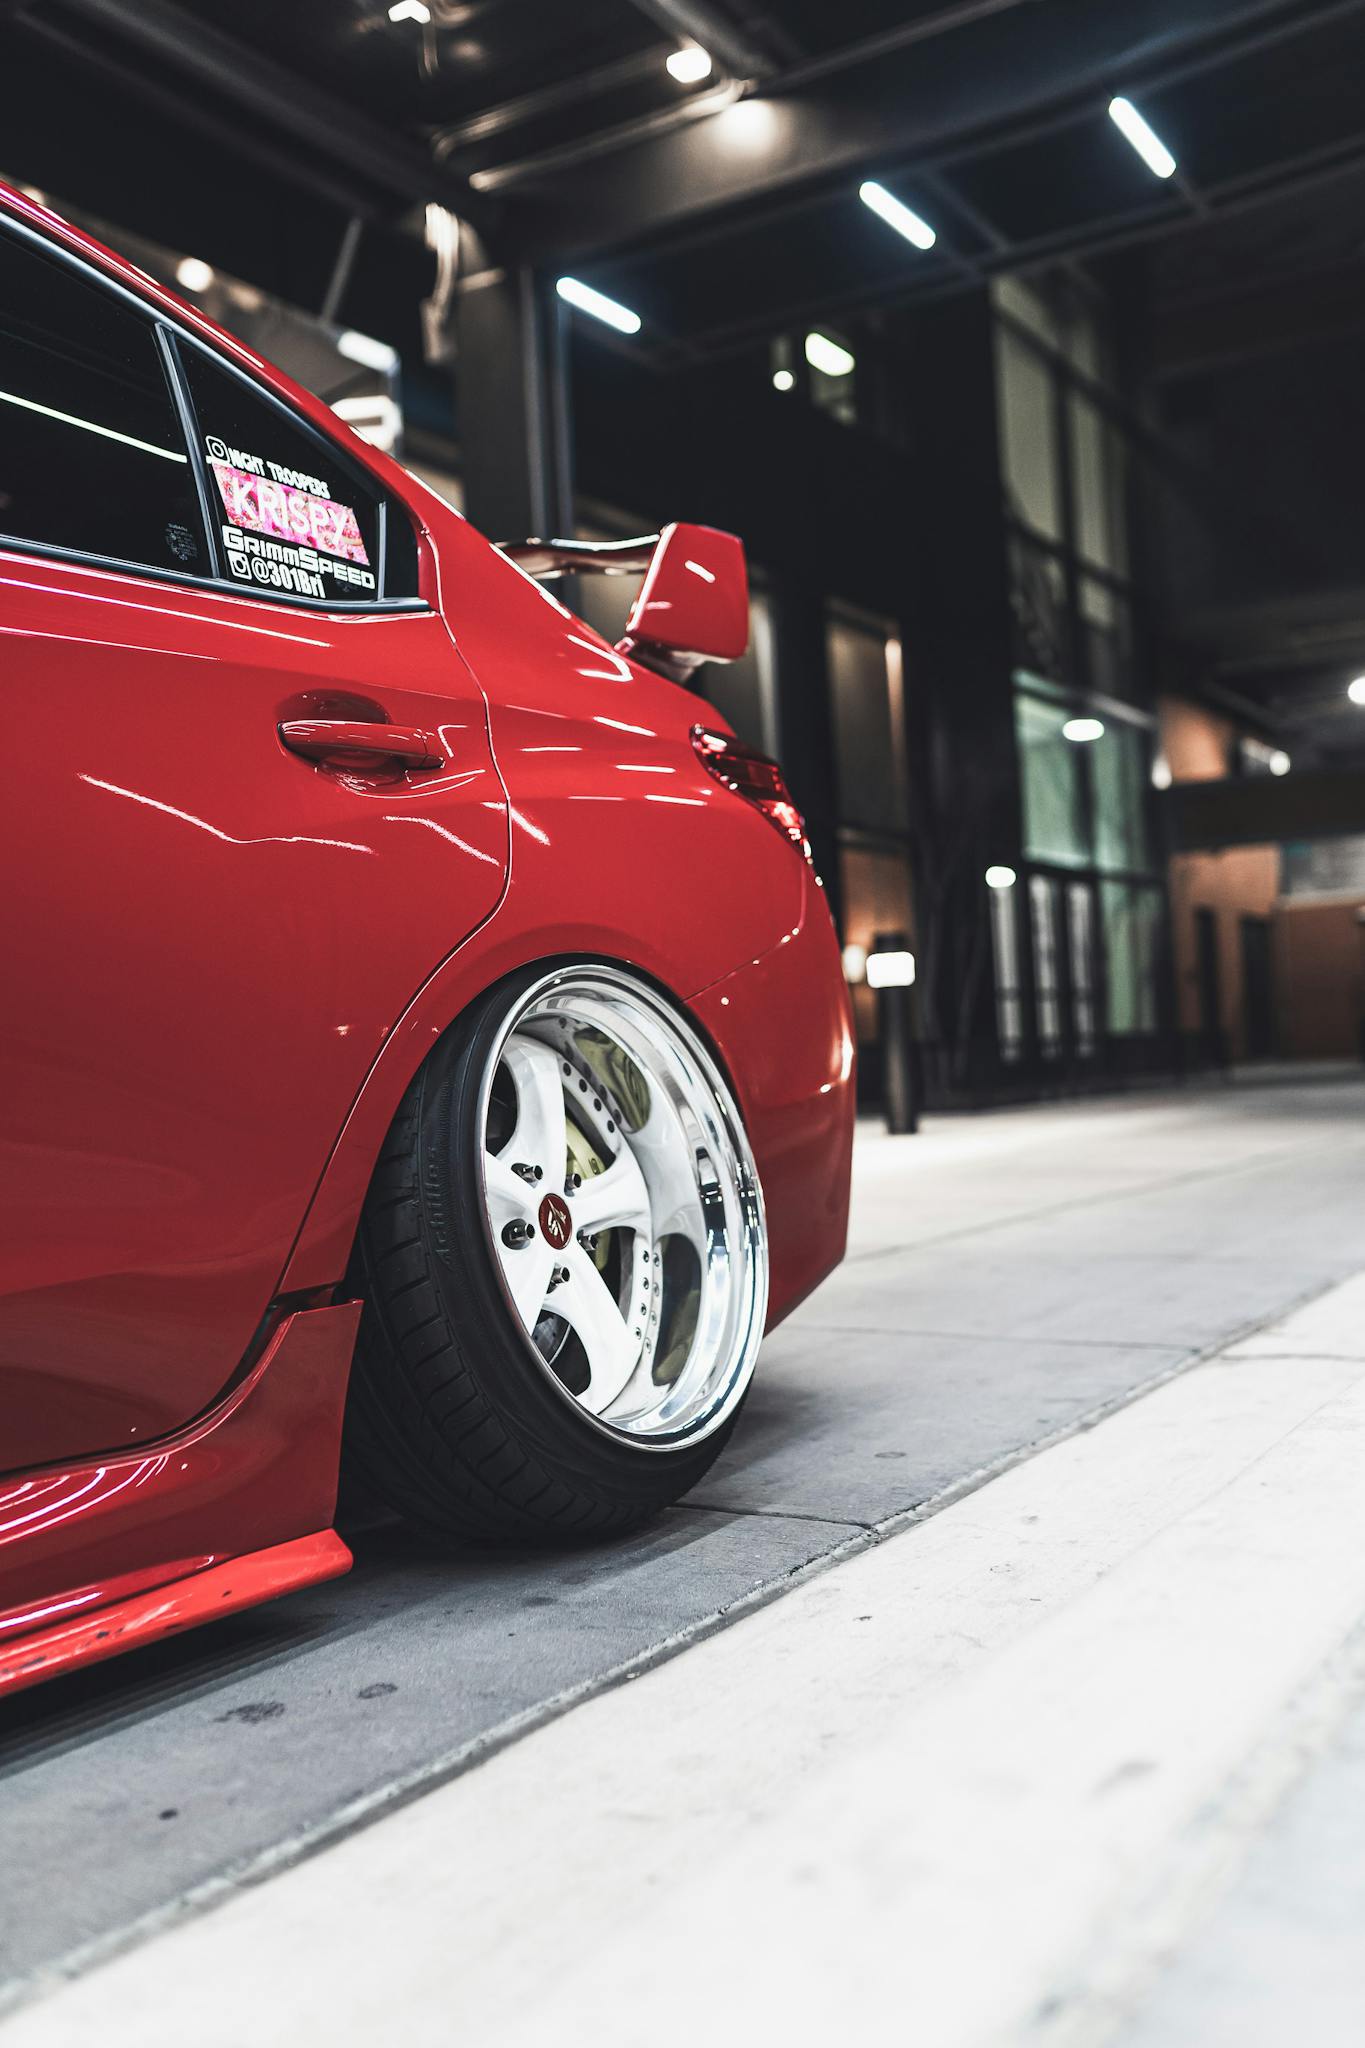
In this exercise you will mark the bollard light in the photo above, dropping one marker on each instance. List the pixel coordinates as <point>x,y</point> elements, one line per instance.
<point>891,972</point>
<point>890,969</point>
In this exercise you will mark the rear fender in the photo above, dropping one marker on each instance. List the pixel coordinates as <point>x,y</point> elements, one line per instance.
<point>323,1247</point>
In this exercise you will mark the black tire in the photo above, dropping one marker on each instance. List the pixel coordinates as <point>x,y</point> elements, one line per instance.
<point>450,1420</point>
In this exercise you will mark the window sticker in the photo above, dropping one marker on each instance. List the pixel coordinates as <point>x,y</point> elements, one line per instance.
<point>285,530</point>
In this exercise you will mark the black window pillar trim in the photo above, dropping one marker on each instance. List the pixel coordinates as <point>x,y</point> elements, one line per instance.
<point>189,427</point>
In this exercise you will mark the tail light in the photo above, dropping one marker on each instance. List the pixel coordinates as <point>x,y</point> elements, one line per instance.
<point>754,776</point>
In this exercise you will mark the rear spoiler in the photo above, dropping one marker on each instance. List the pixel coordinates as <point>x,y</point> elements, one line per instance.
<point>570,557</point>
<point>693,605</point>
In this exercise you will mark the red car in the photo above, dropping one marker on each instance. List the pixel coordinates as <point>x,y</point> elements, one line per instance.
<point>424,1043</point>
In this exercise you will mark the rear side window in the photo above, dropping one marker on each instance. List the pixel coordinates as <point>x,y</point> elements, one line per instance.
<point>91,454</point>
<point>292,515</point>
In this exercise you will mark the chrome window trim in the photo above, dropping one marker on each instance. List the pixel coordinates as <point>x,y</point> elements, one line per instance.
<point>113,565</point>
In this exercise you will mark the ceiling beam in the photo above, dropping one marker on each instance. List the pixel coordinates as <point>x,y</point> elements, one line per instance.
<point>278,96</point>
<point>1157,220</point>
<point>1264,317</point>
<point>756,71</point>
<point>946,96</point>
<point>1256,810</point>
<point>698,21</point>
<point>454,136</point>
<point>325,181</point>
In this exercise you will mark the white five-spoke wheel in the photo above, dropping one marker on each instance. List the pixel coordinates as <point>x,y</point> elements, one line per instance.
<point>564,1263</point>
<point>623,1207</point>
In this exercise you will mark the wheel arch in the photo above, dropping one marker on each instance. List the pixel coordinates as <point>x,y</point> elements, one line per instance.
<point>322,1249</point>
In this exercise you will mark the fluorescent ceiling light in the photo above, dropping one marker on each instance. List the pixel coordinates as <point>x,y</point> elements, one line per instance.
<point>364,349</point>
<point>785,380</point>
<point>1000,878</point>
<point>689,65</point>
<point>193,274</point>
<point>1144,139</point>
<point>599,305</point>
<point>1356,690</point>
<point>828,356</point>
<point>855,963</point>
<point>409,10</point>
<point>1279,762</point>
<point>890,970</point>
<point>69,419</point>
<point>895,215</point>
<point>1082,730</point>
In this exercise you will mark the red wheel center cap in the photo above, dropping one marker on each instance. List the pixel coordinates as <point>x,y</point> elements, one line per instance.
<point>556,1224</point>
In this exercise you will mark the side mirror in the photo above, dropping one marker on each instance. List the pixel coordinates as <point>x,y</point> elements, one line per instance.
<point>694,604</point>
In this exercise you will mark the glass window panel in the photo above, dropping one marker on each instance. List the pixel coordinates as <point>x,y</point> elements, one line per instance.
<point>294,516</point>
<point>1131,914</point>
<point>91,453</point>
<point>1081,926</point>
<point>1028,446</point>
<point>1038,602</point>
<point>1046,969</point>
<point>1050,772</point>
<point>1009,1007</point>
<point>1119,765</point>
<point>1147,928</point>
<point>1028,307</point>
<point>1107,624</point>
<point>869,742</point>
<point>1047,1001</point>
<point>1081,340</point>
<point>1324,867</point>
<point>1121,999</point>
<point>1097,486</point>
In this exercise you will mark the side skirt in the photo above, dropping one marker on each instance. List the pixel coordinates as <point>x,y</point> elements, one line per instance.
<point>206,1595</point>
<point>114,1551</point>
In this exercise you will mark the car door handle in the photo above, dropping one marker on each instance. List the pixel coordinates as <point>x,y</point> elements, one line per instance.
<point>345,742</point>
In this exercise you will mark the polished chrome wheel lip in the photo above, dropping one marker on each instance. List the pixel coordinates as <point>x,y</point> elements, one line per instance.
<point>708,1389</point>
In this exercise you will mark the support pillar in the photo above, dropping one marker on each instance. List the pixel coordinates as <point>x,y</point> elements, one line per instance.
<point>513,405</point>
<point>959,640</point>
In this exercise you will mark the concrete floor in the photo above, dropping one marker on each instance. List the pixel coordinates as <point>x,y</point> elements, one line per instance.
<point>1010,1277</point>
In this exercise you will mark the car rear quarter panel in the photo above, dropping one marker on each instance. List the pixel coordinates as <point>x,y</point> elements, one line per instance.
<point>613,816</point>
<point>784,1028</point>
<point>623,846</point>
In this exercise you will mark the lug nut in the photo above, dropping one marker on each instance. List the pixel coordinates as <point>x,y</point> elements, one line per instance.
<point>588,1240</point>
<point>559,1276</point>
<point>517,1234</point>
<point>529,1172</point>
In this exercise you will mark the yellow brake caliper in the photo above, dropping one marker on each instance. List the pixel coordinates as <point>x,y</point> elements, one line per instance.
<point>585,1161</point>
